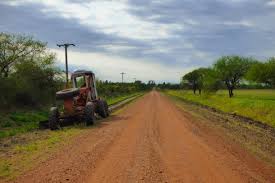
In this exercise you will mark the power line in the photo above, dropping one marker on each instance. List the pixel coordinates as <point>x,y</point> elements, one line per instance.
<point>66,45</point>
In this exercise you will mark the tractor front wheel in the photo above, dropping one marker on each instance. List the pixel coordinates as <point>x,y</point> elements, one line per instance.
<point>89,114</point>
<point>54,119</point>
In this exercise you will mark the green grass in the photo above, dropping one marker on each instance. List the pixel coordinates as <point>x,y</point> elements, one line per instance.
<point>20,122</point>
<point>255,104</point>
<point>115,100</point>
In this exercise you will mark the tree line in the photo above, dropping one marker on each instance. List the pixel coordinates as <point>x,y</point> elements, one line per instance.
<point>230,72</point>
<point>108,89</point>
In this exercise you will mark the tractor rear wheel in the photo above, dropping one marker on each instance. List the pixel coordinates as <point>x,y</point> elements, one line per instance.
<point>89,113</point>
<point>101,109</point>
<point>54,122</point>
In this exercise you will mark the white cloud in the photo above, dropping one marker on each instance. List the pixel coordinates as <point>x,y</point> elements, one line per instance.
<point>244,23</point>
<point>110,17</point>
<point>234,1</point>
<point>110,67</point>
<point>271,3</point>
<point>168,35</point>
<point>117,48</point>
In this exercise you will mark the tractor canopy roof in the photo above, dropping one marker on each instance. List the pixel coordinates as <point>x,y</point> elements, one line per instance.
<point>81,72</point>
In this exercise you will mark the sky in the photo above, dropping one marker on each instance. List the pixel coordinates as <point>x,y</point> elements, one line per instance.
<point>158,40</point>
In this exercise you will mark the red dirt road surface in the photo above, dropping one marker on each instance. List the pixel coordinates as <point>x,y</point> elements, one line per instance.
<point>152,140</point>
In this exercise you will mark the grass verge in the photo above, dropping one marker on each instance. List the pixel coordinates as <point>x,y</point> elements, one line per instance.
<point>258,105</point>
<point>116,100</point>
<point>20,122</point>
<point>20,153</point>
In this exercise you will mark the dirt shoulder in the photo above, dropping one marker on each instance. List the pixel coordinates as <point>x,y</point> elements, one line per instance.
<point>257,138</point>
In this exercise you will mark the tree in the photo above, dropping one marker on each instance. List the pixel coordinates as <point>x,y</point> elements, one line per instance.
<point>202,79</point>
<point>210,81</point>
<point>194,79</point>
<point>28,75</point>
<point>17,48</point>
<point>231,69</point>
<point>263,72</point>
<point>151,84</point>
<point>35,82</point>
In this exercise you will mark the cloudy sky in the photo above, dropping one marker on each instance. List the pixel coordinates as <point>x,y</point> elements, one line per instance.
<point>157,39</point>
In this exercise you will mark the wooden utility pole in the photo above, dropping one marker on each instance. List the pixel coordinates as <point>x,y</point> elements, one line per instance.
<point>122,76</point>
<point>66,45</point>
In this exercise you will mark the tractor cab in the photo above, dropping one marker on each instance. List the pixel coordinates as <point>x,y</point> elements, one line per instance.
<point>86,83</point>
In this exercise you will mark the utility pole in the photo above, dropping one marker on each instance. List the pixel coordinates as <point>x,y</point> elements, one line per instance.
<point>66,45</point>
<point>122,76</point>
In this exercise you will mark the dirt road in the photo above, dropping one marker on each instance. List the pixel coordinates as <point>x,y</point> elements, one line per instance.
<point>151,141</point>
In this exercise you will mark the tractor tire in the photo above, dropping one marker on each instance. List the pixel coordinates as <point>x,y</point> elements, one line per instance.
<point>89,113</point>
<point>106,107</point>
<point>54,122</point>
<point>67,93</point>
<point>101,109</point>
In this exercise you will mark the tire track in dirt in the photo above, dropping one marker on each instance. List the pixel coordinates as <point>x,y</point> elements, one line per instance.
<point>133,157</point>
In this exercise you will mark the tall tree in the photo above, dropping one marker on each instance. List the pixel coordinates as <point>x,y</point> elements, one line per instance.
<point>231,69</point>
<point>17,48</point>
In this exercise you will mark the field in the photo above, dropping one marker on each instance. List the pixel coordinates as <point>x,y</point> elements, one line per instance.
<point>256,104</point>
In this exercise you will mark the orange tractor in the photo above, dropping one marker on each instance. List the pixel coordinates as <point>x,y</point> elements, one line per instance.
<point>80,102</point>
